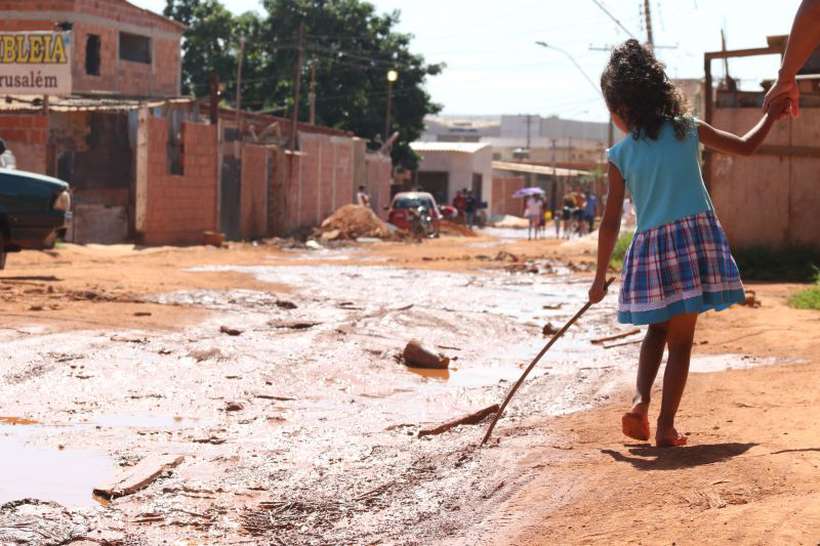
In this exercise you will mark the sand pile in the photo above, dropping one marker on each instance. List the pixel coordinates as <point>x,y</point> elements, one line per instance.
<point>446,227</point>
<point>351,222</point>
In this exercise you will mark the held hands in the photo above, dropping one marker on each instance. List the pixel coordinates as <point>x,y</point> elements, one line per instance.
<point>785,91</point>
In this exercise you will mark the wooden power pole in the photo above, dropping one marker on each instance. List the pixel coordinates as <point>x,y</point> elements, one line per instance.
<point>650,39</point>
<point>239,88</point>
<point>312,93</point>
<point>297,85</point>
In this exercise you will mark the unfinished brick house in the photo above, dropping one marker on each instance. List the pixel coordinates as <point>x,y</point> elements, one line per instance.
<point>149,166</point>
<point>118,48</point>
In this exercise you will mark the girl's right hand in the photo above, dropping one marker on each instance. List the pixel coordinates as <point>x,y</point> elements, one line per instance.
<point>597,291</point>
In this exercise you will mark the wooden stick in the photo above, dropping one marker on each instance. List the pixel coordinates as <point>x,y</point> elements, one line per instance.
<point>535,361</point>
<point>616,336</point>
<point>471,419</point>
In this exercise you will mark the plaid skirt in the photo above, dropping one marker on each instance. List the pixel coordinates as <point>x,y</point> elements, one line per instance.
<point>682,267</point>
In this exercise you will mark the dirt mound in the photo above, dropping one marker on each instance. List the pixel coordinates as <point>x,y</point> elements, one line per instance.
<point>351,222</point>
<point>447,227</point>
<point>508,221</point>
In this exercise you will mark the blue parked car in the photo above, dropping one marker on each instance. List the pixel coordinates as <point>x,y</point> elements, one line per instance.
<point>35,211</point>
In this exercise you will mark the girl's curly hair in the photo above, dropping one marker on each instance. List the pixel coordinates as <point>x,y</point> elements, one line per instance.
<point>636,87</point>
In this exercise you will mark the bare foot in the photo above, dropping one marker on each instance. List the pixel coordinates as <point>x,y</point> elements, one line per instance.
<point>635,423</point>
<point>669,437</point>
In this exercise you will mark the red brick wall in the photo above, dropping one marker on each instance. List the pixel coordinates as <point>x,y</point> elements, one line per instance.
<point>179,208</point>
<point>159,79</point>
<point>26,135</point>
<point>254,191</point>
<point>503,201</point>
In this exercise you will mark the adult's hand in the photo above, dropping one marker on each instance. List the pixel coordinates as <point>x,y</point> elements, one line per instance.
<point>784,88</point>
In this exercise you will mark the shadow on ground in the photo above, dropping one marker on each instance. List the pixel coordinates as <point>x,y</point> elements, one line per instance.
<point>646,457</point>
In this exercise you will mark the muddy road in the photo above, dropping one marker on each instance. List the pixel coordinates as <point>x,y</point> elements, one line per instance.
<point>284,407</point>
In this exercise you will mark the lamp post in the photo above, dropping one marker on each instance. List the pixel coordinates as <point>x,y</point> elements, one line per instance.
<point>392,77</point>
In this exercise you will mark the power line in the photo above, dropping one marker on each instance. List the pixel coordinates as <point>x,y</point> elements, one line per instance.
<point>615,19</point>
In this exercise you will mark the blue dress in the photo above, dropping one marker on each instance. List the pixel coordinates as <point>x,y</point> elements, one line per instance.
<point>679,260</point>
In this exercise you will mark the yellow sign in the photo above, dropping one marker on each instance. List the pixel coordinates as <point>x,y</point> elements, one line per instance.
<point>35,63</point>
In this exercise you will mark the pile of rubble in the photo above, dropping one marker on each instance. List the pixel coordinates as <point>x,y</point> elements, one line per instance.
<point>446,227</point>
<point>353,222</point>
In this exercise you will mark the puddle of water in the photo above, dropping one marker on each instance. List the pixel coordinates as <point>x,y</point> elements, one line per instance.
<point>64,476</point>
<point>147,421</point>
<point>474,377</point>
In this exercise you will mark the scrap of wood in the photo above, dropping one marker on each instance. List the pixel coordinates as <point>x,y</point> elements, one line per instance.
<point>621,344</point>
<point>138,476</point>
<point>471,419</point>
<point>628,333</point>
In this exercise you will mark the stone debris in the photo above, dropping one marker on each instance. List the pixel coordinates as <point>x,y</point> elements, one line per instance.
<point>415,355</point>
<point>230,331</point>
<point>352,222</point>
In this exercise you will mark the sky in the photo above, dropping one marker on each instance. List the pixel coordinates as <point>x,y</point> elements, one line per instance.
<point>494,66</point>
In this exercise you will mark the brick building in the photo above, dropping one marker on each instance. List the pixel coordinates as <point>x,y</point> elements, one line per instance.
<point>147,165</point>
<point>117,48</point>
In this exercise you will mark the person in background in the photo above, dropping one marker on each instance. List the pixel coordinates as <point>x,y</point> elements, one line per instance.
<point>556,218</point>
<point>362,198</point>
<point>534,212</point>
<point>7,160</point>
<point>460,203</point>
<point>566,213</point>
<point>470,208</point>
<point>803,40</point>
<point>590,210</point>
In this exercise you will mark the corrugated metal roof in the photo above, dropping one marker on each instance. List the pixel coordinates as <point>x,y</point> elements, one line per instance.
<point>459,147</point>
<point>34,103</point>
<point>516,167</point>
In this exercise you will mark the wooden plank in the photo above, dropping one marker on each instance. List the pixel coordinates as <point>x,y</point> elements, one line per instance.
<point>752,52</point>
<point>628,333</point>
<point>790,151</point>
<point>139,476</point>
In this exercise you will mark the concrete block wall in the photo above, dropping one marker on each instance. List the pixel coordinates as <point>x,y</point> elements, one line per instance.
<point>766,199</point>
<point>26,135</point>
<point>502,199</point>
<point>379,177</point>
<point>178,208</point>
<point>255,185</point>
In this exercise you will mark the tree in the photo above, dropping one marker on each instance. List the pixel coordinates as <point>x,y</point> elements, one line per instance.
<point>351,46</point>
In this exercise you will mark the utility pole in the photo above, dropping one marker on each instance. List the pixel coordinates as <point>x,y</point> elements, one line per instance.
<point>529,123</point>
<point>650,39</point>
<point>297,85</point>
<point>239,88</point>
<point>554,196</point>
<point>312,92</point>
<point>392,78</point>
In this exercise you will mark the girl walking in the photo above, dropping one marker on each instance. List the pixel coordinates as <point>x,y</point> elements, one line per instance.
<point>679,263</point>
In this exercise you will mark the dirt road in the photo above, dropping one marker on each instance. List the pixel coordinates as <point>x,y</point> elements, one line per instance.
<point>271,372</point>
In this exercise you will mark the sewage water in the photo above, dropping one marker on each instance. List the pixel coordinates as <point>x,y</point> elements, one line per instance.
<point>65,476</point>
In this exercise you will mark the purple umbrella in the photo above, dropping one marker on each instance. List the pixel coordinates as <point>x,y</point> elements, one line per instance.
<point>526,192</point>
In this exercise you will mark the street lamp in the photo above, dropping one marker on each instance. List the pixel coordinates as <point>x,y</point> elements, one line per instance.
<point>392,77</point>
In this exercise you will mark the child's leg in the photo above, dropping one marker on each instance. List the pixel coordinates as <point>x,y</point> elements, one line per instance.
<point>679,339</point>
<point>636,422</point>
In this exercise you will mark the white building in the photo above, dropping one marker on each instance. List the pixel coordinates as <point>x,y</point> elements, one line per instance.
<point>447,167</point>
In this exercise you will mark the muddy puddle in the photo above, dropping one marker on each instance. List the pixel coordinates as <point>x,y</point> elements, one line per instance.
<point>63,475</point>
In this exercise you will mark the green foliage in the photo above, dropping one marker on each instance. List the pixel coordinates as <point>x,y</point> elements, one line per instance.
<point>807,299</point>
<point>796,264</point>
<point>350,46</point>
<point>621,246</point>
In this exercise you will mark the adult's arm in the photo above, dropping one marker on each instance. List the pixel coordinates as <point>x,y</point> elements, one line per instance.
<point>803,40</point>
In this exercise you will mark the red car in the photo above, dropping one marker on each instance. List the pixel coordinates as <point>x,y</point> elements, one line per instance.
<point>399,214</point>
